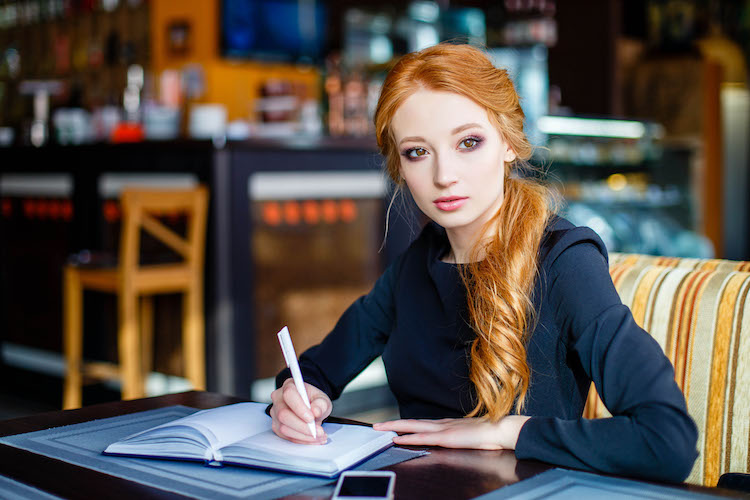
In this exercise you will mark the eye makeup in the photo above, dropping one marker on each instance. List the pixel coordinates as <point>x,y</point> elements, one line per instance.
<point>407,153</point>
<point>477,142</point>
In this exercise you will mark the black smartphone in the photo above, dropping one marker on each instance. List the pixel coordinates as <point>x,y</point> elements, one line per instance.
<point>365,485</point>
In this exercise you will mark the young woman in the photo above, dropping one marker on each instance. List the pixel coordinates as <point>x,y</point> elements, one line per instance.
<point>496,319</point>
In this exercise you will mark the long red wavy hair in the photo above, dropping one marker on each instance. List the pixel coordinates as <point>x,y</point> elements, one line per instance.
<point>500,276</point>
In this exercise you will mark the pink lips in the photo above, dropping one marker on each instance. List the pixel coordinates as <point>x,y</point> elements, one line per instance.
<point>450,203</point>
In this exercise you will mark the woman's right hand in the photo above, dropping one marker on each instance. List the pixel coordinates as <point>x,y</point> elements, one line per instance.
<point>290,414</point>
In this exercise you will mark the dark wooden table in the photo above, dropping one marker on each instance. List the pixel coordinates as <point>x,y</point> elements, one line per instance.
<point>444,473</point>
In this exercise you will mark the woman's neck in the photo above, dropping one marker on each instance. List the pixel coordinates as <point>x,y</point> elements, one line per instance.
<point>462,241</point>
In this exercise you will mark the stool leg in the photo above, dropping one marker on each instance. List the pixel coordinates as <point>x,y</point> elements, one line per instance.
<point>147,334</point>
<point>72,338</point>
<point>128,346</point>
<point>193,337</point>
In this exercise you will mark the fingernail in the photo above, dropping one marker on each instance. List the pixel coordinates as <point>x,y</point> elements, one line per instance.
<point>308,417</point>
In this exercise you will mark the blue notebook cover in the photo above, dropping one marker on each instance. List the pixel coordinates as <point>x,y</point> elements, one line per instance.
<point>561,484</point>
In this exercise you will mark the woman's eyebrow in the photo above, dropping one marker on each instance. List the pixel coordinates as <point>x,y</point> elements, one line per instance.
<point>455,131</point>
<point>411,139</point>
<point>461,128</point>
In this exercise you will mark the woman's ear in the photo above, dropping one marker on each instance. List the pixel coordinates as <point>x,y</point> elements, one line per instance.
<point>510,155</point>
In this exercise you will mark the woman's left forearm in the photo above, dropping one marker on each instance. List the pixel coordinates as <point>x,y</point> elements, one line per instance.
<point>509,428</point>
<point>474,433</point>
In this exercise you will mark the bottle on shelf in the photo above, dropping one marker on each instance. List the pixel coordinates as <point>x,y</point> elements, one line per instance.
<point>130,129</point>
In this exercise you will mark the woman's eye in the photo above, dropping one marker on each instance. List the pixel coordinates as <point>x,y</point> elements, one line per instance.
<point>416,152</point>
<point>468,143</point>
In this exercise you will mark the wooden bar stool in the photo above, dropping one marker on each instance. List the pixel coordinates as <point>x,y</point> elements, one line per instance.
<point>130,281</point>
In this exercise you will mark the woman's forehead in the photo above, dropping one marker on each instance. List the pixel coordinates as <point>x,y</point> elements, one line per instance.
<point>437,112</point>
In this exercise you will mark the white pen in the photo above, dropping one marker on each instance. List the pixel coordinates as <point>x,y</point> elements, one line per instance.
<point>287,348</point>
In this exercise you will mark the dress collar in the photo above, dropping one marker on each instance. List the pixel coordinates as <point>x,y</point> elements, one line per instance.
<point>444,276</point>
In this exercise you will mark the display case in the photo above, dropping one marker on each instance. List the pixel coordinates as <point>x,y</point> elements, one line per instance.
<point>315,248</point>
<point>625,181</point>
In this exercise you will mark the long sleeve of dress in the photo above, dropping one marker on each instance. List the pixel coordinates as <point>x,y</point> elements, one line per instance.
<point>357,339</point>
<point>650,434</point>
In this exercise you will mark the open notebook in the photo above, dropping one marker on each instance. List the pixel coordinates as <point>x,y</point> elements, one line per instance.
<point>240,434</point>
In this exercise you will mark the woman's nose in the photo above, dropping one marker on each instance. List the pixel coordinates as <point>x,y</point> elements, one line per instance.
<point>445,172</point>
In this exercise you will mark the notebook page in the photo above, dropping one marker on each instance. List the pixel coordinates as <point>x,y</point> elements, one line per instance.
<point>342,439</point>
<point>227,424</point>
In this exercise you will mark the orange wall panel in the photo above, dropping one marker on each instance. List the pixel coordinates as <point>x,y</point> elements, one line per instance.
<point>233,83</point>
<point>202,17</point>
<point>236,85</point>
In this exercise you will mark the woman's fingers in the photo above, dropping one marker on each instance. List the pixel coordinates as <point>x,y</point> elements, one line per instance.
<point>288,425</point>
<point>321,407</point>
<point>418,432</point>
<point>291,416</point>
<point>320,403</point>
<point>288,418</point>
<point>294,401</point>
<point>448,436</point>
<point>293,434</point>
<point>410,425</point>
<point>449,433</point>
<point>421,439</point>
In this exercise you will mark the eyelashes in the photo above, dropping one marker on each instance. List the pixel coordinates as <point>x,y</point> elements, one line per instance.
<point>470,142</point>
<point>413,153</point>
<point>465,145</point>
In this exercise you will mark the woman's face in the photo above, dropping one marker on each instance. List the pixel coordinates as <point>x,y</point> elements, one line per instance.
<point>452,159</point>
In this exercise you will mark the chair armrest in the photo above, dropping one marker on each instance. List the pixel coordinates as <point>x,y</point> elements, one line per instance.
<point>737,481</point>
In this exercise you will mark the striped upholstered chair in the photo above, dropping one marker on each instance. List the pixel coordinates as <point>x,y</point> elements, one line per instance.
<point>699,312</point>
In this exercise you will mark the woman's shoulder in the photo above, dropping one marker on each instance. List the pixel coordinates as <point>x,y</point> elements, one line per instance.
<point>561,235</point>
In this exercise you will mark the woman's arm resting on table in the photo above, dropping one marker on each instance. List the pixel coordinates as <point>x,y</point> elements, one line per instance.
<point>477,433</point>
<point>650,434</point>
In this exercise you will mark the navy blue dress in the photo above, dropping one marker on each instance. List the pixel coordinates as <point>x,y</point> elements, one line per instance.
<point>416,318</point>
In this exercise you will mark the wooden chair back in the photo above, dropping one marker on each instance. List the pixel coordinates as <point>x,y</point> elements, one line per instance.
<point>141,209</point>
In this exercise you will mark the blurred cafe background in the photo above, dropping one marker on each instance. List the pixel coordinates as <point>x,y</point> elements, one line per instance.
<point>639,110</point>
